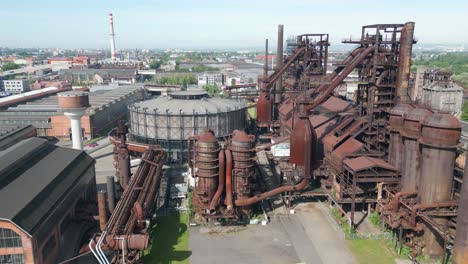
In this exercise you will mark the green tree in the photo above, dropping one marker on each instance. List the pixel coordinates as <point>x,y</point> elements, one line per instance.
<point>155,64</point>
<point>10,66</point>
<point>213,90</point>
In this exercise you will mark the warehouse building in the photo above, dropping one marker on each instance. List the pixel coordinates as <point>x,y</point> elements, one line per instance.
<point>99,76</point>
<point>107,106</point>
<point>51,185</point>
<point>10,135</point>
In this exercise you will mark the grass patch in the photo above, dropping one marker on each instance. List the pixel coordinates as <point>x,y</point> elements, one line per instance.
<point>368,251</point>
<point>170,243</point>
<point>374,218</point>
<point>86,142</point>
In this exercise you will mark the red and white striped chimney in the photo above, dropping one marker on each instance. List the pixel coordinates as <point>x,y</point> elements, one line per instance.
<point>112,40</point>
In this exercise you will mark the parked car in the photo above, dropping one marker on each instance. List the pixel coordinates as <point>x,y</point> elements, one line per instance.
<point>92,145</point>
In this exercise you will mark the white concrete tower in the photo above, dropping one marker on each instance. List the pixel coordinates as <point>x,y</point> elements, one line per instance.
<point>73,105</point>
<point>112,39</point>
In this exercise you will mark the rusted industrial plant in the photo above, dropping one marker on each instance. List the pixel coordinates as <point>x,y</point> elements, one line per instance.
<point>381,151</point>
<point>125,226</point>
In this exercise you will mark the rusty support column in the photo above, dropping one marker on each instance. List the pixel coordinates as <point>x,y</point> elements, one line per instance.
<point>404,61</point>
<point>353,200</point>
<point>110,193</point>
<point>460,248</point>
<point>102,210</point>
<point>123,155</point>
<point>439,143</point>
<point>279,64</point>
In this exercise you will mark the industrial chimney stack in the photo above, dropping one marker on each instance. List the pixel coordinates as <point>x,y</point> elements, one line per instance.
<point>112,39</point>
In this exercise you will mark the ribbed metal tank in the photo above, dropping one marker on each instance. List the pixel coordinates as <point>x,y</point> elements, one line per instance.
<point>411,158</point>
<point>439,142</point>
<point>206,168</point>
<point>242,147</point>
<point>395,152</point>
<point>168,121</point>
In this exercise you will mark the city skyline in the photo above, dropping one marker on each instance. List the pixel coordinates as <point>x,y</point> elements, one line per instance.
<point>214,25</point>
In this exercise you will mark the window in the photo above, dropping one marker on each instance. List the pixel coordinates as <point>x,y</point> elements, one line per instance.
<point>8,239</point>
<point>12,259</point>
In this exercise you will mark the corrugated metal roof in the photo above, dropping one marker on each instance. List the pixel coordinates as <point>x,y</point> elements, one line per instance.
<point>163,105</point>
<point>335,104</point>
<point>324,123</point>
<point>363,163</point>
<point>351,145</point>
<point>39,180</point>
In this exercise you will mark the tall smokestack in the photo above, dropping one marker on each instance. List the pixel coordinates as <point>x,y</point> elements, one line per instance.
<point>279,64</point>
<point>265,67</point>
<point>112,39</point>
<point>404,61</point>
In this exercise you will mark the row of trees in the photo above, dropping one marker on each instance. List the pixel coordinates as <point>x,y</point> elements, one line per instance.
<point>183,80</point>
<point>10,66</point>
<point>197,68</point>
<point>456,62</point>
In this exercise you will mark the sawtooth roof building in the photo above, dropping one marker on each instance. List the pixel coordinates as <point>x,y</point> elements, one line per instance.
<point>43,189</point>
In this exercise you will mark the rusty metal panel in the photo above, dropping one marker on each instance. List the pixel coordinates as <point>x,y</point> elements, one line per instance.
<point>439,143</point>
<point>460,251</point>
<point>411,132</point>
<point>348,147</point>
<point>363,163</point>
<point>395,152</point>
<point>335,104</point>
<point>322,124</point>
<point>264,105</point>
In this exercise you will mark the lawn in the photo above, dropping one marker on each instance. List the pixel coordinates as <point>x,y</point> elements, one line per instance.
<point>170,243</point>
<point>368,251</point>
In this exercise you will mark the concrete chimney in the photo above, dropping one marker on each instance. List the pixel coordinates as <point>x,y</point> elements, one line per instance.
<point>73,105</point>
<point>279,64</point>
<point>112,39</point>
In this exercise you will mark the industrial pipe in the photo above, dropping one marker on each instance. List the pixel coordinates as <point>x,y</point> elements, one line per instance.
<point>338,79</point>
<point>111,193</point>
<point>429,206</point>
<point>189,156</point>
<point>221,180</point>
<point>132,242</point>
<point>131,146</point>
<point>397,196</point>
<point>308,148</point>
<point>228,179</point>
<point>102,210</point>
<point>288,188</point>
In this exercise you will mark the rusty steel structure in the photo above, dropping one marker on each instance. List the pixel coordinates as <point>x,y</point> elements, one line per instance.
<point>380,151</point>
<point>242,148</point>
<point>206,169</point>
<point>125,226</point>
<point>231,190</point>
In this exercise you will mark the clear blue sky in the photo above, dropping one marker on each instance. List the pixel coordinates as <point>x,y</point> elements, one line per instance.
<point>216,23</point>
